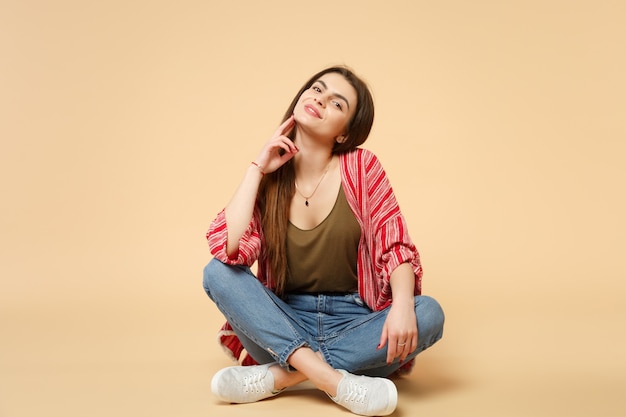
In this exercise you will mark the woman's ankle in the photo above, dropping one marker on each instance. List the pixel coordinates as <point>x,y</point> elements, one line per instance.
<point>331,383</point>
<point>285,379</point>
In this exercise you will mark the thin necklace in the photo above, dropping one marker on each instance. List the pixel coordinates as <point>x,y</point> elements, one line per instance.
<point>306,199</point>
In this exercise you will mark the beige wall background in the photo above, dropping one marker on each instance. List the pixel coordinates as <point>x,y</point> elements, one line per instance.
<point>126,125</point>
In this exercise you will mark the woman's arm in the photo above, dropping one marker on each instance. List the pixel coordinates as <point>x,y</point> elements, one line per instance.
<point>401,324</point>
<point>239,210</point>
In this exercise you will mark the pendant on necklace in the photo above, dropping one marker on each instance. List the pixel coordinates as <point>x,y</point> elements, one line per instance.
<point>306,203</point>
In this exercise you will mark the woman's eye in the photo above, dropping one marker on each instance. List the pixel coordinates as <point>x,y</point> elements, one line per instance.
<point>315,88</point>
<point>337,104</point>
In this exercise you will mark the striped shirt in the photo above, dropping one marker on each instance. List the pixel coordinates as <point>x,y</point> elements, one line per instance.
<point>384,244</point>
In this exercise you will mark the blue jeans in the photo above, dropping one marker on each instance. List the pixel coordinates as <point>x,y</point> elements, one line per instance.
<point>341,327</point>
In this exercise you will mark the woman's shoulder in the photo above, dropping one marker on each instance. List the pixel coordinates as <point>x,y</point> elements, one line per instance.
<point>362,168</point>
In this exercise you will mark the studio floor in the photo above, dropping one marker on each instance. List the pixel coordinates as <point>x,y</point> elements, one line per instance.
<point>158,361</point>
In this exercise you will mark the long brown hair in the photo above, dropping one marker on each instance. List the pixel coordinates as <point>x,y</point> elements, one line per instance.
<point>277,188</point>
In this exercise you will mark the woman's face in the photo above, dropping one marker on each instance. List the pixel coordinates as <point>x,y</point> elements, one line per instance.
<point>326,108</point>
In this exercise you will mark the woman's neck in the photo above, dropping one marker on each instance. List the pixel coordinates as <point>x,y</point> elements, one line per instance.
<point>312,159</point>
<point>311,163</point>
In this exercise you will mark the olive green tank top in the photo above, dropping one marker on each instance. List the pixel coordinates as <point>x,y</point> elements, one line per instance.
<point>324,259</point>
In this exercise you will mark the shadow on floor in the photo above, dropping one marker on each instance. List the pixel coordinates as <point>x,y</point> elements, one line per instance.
<point>431,377</point>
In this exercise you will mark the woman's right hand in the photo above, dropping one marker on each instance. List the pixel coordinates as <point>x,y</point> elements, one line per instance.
<point>271,158</point>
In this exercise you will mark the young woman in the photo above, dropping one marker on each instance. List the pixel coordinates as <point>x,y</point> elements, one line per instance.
<point>336,299</point>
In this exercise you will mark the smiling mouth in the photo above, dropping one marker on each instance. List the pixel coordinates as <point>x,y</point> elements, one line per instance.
<point>312,110</point>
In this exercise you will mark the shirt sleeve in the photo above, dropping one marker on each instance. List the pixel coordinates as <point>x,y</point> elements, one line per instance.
<point>249,244</point>
<point>392,244</point>
<point>397,248</point>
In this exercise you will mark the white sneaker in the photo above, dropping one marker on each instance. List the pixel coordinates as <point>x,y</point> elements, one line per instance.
<point>365,395</point>
<point>244,384</point>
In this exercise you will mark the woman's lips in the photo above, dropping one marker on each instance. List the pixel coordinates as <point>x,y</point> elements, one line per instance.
<point>312,110</point>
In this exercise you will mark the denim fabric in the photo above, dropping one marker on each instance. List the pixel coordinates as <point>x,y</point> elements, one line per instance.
<point>340,326</point>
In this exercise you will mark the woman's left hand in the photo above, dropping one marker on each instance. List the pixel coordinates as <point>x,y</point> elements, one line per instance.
<point>399,331</point>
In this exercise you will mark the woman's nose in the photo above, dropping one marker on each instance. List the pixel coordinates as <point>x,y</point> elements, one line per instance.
<point>321,100</point>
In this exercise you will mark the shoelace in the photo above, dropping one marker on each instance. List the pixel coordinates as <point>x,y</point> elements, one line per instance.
<point>253,383</point>
<point>356,393</point>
